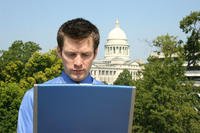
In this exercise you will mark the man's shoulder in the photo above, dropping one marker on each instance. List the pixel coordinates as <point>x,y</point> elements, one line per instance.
<point>29,93</point>
<point>97,82</point>
<point>57,80</point>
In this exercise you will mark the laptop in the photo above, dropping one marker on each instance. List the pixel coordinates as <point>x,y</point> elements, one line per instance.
<point>83,108</point>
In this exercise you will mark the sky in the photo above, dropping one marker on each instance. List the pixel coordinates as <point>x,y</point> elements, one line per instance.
<point>142,20</point>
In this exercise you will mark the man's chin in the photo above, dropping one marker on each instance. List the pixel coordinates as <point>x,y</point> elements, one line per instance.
<point>78,78</point>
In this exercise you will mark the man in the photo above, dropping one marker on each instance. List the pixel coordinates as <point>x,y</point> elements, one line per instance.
<point>78,41</point>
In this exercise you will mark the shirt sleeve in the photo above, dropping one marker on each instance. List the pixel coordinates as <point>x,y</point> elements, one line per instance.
<point>25,116</point>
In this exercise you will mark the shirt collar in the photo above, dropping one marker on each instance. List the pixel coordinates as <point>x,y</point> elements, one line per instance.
<point>68,80</point>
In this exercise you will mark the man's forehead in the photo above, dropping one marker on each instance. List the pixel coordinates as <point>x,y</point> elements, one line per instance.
<point>73,51</point>
<point>89,38</point>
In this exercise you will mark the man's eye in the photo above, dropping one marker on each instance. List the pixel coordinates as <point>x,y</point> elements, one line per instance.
<point>71,55</point>
<point>86,55</point>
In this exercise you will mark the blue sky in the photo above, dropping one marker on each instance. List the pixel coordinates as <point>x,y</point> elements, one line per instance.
<point>39,20</point>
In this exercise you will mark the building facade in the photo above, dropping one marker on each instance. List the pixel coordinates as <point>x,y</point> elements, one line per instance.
<point>116,58</point>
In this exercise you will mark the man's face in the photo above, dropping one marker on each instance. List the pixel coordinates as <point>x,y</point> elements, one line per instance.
<point>77,57</point>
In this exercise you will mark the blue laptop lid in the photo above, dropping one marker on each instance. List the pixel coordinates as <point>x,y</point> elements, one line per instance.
<point>74,108</point>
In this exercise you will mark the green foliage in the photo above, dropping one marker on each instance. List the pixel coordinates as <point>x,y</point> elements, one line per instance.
<point>19,51</point>
<point>163,94</point>
<point>191,24</point>
<point>39,62</point>
<point>27,83</point>
<point>13,60</point>
<point>124,78</point>
<point>12,71</point>
<point>43,67</point>
<point>10,97</point>
<point>21,67</point>
<point>192,50</point>
<point>168,45</point>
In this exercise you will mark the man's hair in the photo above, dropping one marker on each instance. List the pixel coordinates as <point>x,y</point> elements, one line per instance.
<point>78,28</point>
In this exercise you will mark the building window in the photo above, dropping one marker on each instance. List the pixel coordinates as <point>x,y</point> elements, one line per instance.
<point>95,72</point>
<point>91,71</point>
<point>106,72</point>
<point>103,72</point>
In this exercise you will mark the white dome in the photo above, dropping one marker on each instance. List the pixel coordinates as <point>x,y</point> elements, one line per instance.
<point>117,32</point>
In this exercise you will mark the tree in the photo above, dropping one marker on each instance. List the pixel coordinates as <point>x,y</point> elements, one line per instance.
<point>12,71</point>
<point>14,59</point>
<point>191,25</point>
<point>10,97</point>
<point>19,51</point>
<point>168,45</point>
<point>19,74</point>
<point>124,78</point>
<point>43,66</point>
<point>162,95</point>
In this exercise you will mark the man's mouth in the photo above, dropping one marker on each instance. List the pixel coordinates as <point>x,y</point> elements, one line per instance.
<point>78,72</point>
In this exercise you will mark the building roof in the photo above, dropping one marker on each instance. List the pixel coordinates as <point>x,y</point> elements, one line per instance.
<point>117,32</point>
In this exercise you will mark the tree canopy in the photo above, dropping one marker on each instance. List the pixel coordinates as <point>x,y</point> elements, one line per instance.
<point>162,100</point>
<point>10,97</point>
<point>12,61</point>
<point>191,25</point>
<point>19,51</point>
<point>22,65</point>
<point>124,78</point>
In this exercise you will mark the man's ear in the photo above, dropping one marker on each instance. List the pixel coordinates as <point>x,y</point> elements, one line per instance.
<point>95,52</point>
<point>59,52</point>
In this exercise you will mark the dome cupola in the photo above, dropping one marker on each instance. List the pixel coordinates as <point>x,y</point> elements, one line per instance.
<point>117,44</point>
<point>117,32</point>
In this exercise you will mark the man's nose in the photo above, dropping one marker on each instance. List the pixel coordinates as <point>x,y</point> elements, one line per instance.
<point>78,61</point>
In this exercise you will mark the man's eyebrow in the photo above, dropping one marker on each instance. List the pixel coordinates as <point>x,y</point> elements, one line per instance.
<point>69,51</point>
<point>87,52</point>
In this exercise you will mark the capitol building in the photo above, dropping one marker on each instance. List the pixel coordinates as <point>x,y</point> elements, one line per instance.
<point>116,58</point>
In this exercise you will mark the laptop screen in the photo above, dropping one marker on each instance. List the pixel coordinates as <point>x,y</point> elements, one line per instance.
<point>75,108</point>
